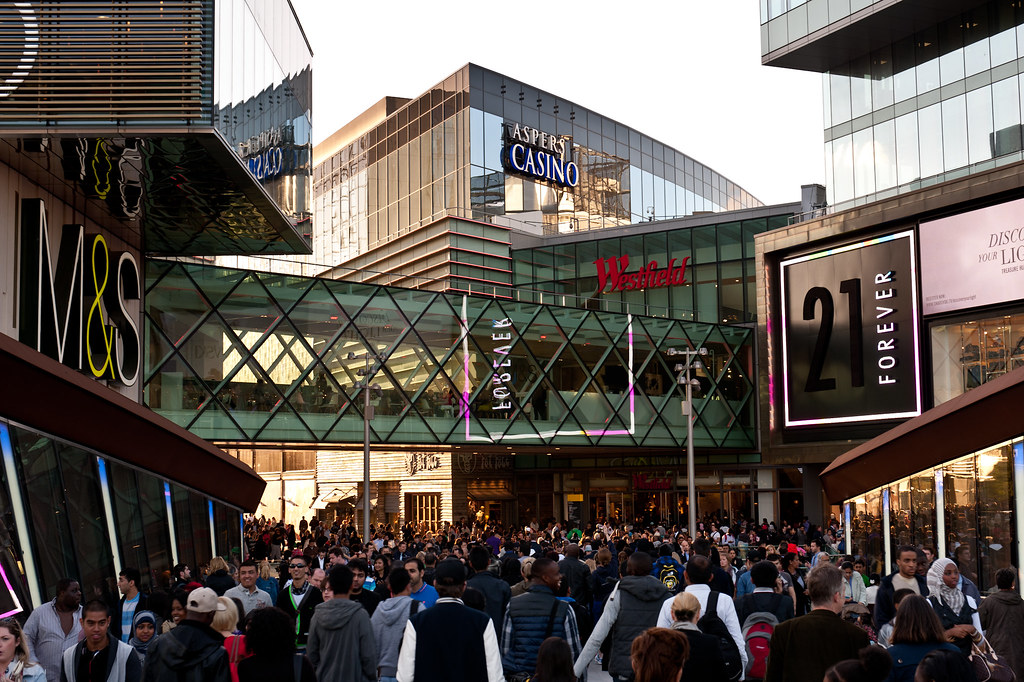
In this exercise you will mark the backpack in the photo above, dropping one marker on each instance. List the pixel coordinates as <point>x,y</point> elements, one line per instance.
<point>711,624</point>
<point>758,629</point>
<point>668,574</point>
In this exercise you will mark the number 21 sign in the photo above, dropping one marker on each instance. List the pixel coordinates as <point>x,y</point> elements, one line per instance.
<point>850,333</point>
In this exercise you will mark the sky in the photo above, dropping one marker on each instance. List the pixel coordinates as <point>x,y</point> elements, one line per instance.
<point>687,73</point>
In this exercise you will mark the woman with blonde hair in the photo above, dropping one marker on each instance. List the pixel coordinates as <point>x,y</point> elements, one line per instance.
<point>658,655</point>
<point>267,582</point>
<point>226,623</point>
<point>218,580</point>
<point>705,661</point>
<point>15,659</point>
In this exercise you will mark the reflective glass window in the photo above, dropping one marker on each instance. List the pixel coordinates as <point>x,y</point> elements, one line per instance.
<point>881,78</point>
<point>866,522</point>
<point>885,155</point>
<point>904,68</point>
<point>140,516</point>
<point>860,87</point>
<point>979,124</point>
<point>954,132</point>
<point>908,160</point>
<point>929,121</point>
<point>839,89</point>
<point>864,162</point>
<point>842,168</point>
<point>996,518</point>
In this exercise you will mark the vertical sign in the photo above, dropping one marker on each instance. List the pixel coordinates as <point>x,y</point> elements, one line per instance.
<point>850,333</point>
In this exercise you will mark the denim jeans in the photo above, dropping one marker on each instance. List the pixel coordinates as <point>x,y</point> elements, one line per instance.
<point>388,679</point>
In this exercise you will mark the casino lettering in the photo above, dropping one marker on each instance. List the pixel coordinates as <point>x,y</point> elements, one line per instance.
<point>537,154</point>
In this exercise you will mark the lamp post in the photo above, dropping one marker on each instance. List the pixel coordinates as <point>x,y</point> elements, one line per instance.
<point>684,380</point>
<point>367,373</point>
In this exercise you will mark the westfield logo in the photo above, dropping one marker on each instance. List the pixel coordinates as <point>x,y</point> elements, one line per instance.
<point>612,275</point>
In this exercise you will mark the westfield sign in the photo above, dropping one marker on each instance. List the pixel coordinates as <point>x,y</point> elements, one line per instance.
<point>612,275</point>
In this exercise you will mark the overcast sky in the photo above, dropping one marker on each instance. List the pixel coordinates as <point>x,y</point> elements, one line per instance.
<point>687,73</point>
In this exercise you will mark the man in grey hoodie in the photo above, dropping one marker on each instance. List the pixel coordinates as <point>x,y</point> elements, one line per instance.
<point>389,621</point>
<point>341,644</point>
<point>632,607</point>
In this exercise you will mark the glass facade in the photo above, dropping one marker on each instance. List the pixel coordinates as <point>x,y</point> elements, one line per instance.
<point>440,154</point>
<point>976,524</point>
<point>968,353</point>
<point>720,279</point>
<point>787,21</point>
<point>934,106</point>
<point>262,97</point>
<point>246,356</point>
<point>68,511</point>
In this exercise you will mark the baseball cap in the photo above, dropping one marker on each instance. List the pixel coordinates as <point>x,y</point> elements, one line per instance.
<point>204,600</point>
<point>450,572</point>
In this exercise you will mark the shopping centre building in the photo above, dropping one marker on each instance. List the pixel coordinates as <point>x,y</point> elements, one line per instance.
<point>892,323</point>
<point>190,138</point>
<point>560,246</point>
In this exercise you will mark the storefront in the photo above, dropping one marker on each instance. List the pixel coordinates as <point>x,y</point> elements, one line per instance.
<point>949,479</point>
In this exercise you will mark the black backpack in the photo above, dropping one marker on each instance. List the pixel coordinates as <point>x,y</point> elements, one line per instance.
<point>711,624</point>
<point>668,574</point>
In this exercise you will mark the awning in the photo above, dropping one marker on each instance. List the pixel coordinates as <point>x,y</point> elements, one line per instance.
<point>331,497</point>
<point>484,492</point>
<point>973,421</point>
<point>40,393</point>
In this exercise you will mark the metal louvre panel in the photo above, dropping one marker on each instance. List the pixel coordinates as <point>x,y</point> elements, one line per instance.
<point>106,62</point>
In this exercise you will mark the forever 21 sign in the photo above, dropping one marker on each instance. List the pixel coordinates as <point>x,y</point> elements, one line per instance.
<point>850,333</point>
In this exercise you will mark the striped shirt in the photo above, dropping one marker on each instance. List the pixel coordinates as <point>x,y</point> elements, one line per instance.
<point>46,638</point>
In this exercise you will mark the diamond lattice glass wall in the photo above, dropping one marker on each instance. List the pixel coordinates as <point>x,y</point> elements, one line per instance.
<point>237,355</point>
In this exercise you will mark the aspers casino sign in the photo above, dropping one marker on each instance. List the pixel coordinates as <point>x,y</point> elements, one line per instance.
<point>537,154</point>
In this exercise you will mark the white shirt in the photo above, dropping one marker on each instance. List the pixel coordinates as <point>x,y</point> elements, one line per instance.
<point>46,638</point>
<point>726,611</point>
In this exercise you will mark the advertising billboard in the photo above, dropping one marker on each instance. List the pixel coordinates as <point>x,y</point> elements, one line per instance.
<point>850,333</point>
<point>973,259</point>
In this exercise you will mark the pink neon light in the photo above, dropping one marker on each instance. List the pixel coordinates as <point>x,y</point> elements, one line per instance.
<point>17,606</point>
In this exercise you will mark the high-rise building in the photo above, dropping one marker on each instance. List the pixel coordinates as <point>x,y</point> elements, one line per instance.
<point>892,321</point>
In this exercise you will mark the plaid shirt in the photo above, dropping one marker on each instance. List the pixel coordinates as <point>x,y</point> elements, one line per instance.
<point>572,633</point>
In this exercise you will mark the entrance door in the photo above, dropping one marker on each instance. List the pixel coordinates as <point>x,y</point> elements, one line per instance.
<point>620,507</point>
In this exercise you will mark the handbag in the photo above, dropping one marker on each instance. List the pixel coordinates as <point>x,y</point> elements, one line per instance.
<point>988,667</point>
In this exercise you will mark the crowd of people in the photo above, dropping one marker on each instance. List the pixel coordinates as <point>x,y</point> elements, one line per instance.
<point>540,602</point>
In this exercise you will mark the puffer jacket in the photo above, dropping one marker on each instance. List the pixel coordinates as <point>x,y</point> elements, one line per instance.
<point>530,613</point>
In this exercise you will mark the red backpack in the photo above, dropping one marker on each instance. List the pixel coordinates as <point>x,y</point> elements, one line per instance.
<point>757,634</point>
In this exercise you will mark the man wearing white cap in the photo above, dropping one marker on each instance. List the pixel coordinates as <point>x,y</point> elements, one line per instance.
<point>193,650</point>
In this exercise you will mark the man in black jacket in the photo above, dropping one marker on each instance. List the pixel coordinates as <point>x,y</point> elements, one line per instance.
<point>904,578</point>
<point>496,591</point>
<point>576,575</point>
<point>299,599</point>
<point>192,651</point>
<point>764,598</point>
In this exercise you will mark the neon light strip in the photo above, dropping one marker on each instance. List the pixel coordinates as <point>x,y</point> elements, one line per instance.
<point>244,549</point>
<point>909,234</point>
<point>21,520</point>
<point>498,436</point>
<point>170,523</point>
<point>108,509</point>
<point>1018,500</point>
<point>940,519</point>
<point>213,529</point>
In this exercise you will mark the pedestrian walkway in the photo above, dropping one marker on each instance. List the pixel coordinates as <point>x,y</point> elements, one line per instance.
<point>595,674</point>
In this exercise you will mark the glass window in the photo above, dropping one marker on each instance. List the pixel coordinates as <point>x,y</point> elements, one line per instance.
<point>863,162</point>
<point>927,54</point>
<point>908,160</point>
<point>904,69</point>
<point>87,518</point>
<point>996,522</point>
<point>730,242</point>
<point>842,168</point>
<point>707,292</point>
<point>930,136</point>
<point>960,499</point>
<point>839,88</point>
<point>954,132</point>
<point>866,531</point>
<point>979,124</point>
<point>860,87</point>
<point>140,517</point>
<point>881,78</point>
<point>885,155</point>
<point>183,525</point>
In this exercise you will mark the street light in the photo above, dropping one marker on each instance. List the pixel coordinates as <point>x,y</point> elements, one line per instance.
<point>367,388</point>
<point>684,380</point>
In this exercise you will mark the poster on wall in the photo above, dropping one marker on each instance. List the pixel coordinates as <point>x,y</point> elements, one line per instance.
<point>850,334</point>
<point>973,259</point>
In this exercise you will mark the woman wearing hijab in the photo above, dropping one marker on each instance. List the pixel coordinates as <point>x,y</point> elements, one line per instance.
<point>957,611</point>
<point>143,633</point>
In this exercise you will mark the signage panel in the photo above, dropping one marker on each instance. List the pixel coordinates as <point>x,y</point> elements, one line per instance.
<point>973,259</point>
<point>850,334</point>
<point>539,155</point>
